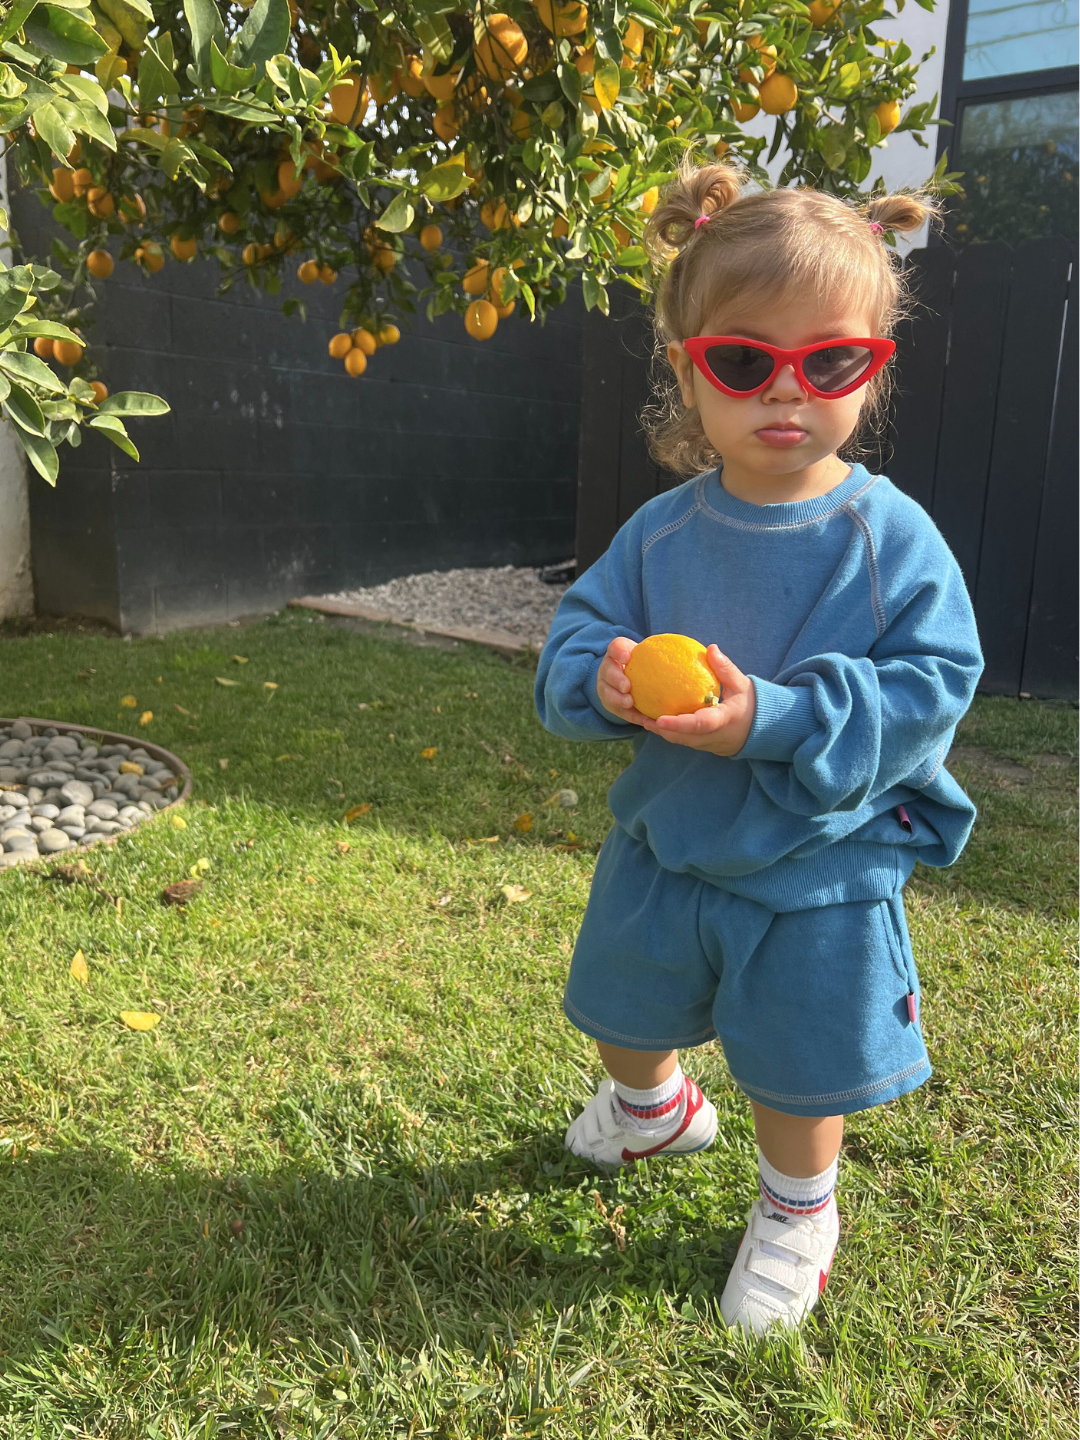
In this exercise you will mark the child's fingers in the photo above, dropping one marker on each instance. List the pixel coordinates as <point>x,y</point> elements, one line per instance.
<point>620,649</point>
<point>725,670</point>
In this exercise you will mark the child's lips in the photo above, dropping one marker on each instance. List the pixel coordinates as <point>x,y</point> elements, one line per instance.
<point>781,436</point>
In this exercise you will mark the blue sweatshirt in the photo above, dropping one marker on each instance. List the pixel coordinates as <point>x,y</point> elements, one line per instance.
<point>851,616</point>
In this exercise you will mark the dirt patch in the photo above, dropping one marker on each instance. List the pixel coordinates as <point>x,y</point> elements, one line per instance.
<point>977,757</point>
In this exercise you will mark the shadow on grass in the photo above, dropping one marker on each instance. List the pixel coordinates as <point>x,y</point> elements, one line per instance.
<point>376,1248</point>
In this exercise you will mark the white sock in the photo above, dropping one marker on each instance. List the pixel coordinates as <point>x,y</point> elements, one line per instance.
<point>657,1111</point>
<point>791,1199</point>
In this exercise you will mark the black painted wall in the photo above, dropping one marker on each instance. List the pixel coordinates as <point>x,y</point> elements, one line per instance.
<point>278,475</point>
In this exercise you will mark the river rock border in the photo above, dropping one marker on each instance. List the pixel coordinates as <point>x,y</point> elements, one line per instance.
<point>82,787</point>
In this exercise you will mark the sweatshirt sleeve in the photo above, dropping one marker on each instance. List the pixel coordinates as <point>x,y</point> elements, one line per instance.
<point>832,732</point>
<point>604,603</point>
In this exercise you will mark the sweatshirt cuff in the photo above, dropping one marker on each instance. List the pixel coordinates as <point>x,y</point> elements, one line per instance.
<point>783,719</point>
<point>594,698</point>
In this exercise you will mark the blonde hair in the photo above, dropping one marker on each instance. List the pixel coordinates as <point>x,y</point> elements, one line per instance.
<point>764,246</point>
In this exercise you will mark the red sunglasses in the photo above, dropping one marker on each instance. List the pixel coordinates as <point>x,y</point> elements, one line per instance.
<point>828,370</point>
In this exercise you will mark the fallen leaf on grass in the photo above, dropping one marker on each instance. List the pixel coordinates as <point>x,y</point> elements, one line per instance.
<point>179,822</point>
<point>566,798</point>
<point>181,709</point>
<point>570,835</point>
<point>553,774</point>
<point>199,868</point>
<point>146,717</point>
<point>358,810</point>
<point>487,840</point>
<point>140,1019</point>
<point>180,892</point>
<point>222,681</point>
<point>128,702</point>
<point>286,756</point>
<point>524,822</point>
<point>577,845</point>
<point>224,764</point>
<point>430,752</point>
<point>240,659</point>
<point>269,685</point>
<point>79,969</point>
<point>342,847</point>
<point>515,894</point>
<point>81,874</point>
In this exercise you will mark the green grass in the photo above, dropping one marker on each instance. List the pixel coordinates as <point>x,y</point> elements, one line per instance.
<point>327,1196</point>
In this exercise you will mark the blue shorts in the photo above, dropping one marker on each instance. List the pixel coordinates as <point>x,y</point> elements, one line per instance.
<point>816,1009</point>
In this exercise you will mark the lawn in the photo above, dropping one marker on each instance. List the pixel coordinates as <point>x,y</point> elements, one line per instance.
<point>327,1195</point>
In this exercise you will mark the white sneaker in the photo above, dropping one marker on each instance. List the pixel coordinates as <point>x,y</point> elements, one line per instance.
<point>599,1134</point>
<point>780,1270</point>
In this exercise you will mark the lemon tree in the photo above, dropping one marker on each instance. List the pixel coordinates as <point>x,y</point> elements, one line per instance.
<point>411,152</point>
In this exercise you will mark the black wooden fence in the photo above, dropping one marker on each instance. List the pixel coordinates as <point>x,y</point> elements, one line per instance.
<point>983,434</point>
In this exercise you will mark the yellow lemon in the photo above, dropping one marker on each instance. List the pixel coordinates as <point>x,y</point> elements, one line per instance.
<point>669,675</point>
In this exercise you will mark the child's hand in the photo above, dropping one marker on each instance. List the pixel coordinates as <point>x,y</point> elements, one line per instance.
<point>720,729</point>
<point>613,687</point>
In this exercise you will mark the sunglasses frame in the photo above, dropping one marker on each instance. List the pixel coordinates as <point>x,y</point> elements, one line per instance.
<point>881,352</point>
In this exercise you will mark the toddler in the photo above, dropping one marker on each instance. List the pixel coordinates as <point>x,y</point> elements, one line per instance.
<point>751,887</point>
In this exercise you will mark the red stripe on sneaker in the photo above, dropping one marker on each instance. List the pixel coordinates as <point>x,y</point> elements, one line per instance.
<point>694,1102</point>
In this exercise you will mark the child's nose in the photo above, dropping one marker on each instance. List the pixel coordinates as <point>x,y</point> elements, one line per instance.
<point>785,384</point>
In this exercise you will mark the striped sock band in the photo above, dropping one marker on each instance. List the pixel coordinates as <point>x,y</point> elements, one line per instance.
<point>796,1199</point>
<point>651,1112</point>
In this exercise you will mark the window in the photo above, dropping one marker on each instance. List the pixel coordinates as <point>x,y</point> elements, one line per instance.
<point>1010,90</point>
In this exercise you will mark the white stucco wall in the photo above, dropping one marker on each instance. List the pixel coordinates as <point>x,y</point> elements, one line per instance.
<point>16,583</point>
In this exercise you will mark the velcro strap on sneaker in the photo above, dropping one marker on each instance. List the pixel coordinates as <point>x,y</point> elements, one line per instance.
<point>780,1272</point>
<point>786,1237</point>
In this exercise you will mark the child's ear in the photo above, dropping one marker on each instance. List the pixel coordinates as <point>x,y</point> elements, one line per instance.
<point>684,373</point>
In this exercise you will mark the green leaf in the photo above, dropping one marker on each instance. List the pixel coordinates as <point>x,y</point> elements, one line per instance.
<point>14,293</point>
<point>247,110</point>
<point>42,454</point>
<point>156,79</point>
<point>87,119</point>
<point>175,155</point>
<point>25,411</point>
<point>264,34</point>
<point>64,36</point>
<point>647,12</point>
<point>205,24</point>
<point>113,429</point>
<point>53,131</point>
<point>397,216</point>
<point>52,329</point>
<point>606,81</point>
<point>129,19</point>
<point>437,39</point>
<point>85,90</point>
<point>445,181</point>
<point>833,141</point>
<point>848,79</point>
<point>15,19</point>
<point>227,78</point>
<point>570,81</point>
<point>592,290</point>
<point>5,387</point>
<point>133,402</point>
<point>24,365</point>
<point>632,257</point>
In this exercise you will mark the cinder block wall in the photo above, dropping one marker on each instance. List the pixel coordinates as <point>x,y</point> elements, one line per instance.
<point>278,475</point>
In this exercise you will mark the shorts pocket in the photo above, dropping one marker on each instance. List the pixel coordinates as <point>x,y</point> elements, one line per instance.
<point>894,941</point>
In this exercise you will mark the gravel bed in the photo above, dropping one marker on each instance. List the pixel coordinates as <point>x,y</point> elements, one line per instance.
<point>59,792</point>
<point>505,597</point>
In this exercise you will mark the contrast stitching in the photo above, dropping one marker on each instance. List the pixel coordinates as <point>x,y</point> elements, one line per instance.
<point>880,622</point>
<point>670,529</point>
<point>939,760</point>
<point>790,525</point>
<point>859,1093</point>
<point>636,1041</point>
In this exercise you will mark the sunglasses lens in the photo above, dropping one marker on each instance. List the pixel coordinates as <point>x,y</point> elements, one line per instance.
<point>739,367</point>
<point>835,367</point>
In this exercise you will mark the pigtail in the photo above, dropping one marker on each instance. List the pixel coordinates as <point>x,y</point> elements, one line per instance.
<point>697,190</point>
<point>903,212</point>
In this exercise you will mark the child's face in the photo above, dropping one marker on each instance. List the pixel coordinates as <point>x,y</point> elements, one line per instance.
<point>783,429</point>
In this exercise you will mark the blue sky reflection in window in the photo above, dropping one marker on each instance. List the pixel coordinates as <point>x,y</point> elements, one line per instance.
<point>1017,38</point>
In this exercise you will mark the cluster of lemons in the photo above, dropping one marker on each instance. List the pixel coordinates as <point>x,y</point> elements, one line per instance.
<point>355,346</point>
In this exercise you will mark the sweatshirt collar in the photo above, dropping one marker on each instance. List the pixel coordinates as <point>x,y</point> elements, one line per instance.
<point>716,501</point>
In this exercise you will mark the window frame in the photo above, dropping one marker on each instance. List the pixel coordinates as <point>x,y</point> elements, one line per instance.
<point>956,92</point>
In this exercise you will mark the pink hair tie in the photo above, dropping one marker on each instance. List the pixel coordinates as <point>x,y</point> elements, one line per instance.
<point>876,228</point>
<point>701,219</point>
